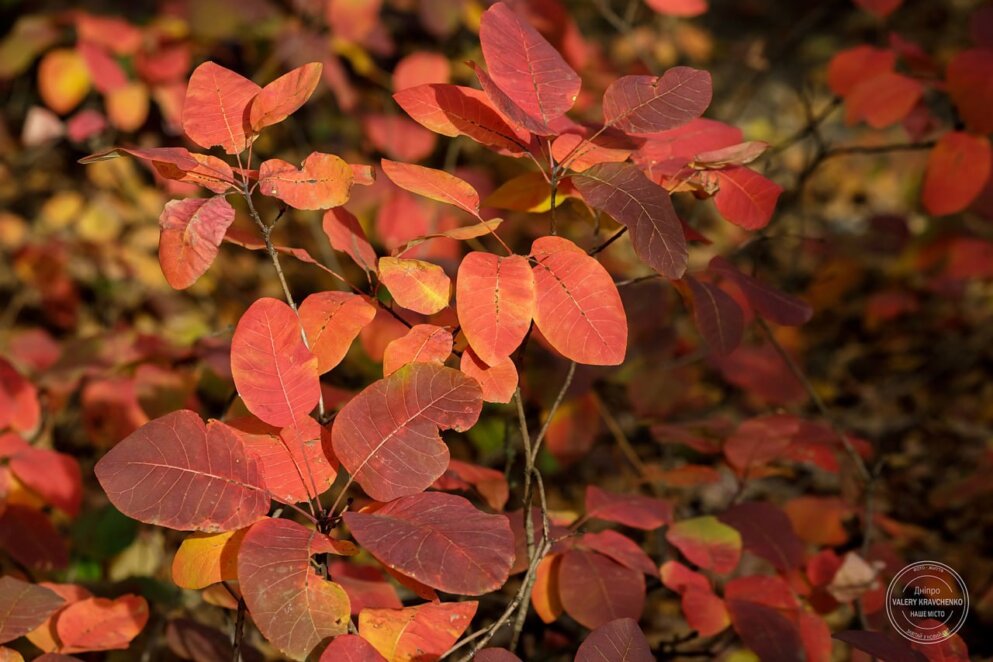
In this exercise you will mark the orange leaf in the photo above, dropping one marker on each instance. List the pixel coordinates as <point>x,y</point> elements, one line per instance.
<point>424,343</point>
<point>957,170</point>
<point>417,633</point>
<point>346,235</point>
<point>284,96</point>
<point>435,184</point>
<point>577,309</point>
<point>495,299</point>
<point>99,624</point>
<point>274,372</point>
<point>192,229</point>
<point>324,181</point>
<point>332,321</point>
<point>498,381</point>
<point>207,558</point>
<point>63,79</point>
<point>215,110</point>
<point>882,100</point>
<point>416,285</point>
<point>545,593</point>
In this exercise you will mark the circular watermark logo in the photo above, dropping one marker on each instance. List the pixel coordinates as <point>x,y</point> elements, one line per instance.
<point>927,602</point>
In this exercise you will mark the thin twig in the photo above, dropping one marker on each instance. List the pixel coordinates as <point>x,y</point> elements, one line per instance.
<point>239,632</point>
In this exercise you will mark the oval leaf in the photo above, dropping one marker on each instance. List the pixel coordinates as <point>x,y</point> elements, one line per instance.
<point>192,229</point>
<point>207,558</point>
<point>322,182</point>
<point>644,207</point>
<point>387,436</point>
<point>417,633</point>
<point>596,590</point>
<point>525,66</point>
<point>99,624</point>
<point>707,542</point>
<point>645,104</point>
<point>346,235</point>
<point>274,372</point>
<point>284,96</point>
<point>440,540</point>
<point>424,343</point>
<point>179,473</point>
<point>435,184</point>
<point>618,641</point>
<point>23,607</point>
<point>215,109</point>
<point>577,307</point>
<point>332,321</point>
<point>350,648</point>
<point>718,317</point>
<point>498,381</point>
<point>745,197</point>
<point>292,606</point>
<point>495,300</point>
<point>958,168</point>
<point>416,285</point>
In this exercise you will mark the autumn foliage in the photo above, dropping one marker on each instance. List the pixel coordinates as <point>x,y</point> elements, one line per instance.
<point>519,372</point>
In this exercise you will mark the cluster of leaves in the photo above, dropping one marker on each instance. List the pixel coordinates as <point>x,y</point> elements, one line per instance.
<point>264,492</point>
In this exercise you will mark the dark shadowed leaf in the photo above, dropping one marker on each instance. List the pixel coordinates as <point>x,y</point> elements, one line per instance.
<point>595,589</point>
<point>634,510</point>
<point>23,607</point>
<point>766,531</point>
<point>764,630</point>
<point>644,207</point>
<point>350,648</point>
<point>717,316</point>
<point>879,645</point>
<point>346,235</point>
<point>768,301</point>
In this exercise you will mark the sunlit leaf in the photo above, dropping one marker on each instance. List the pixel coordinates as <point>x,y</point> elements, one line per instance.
<point>63,79</point>
<point>216,108</point>
<point>192,229</point>
<point>207,558</point>
<point>415,284</point>
<point>421,633</point>
<point>274,372</point>
<point>323,181</point>
<point>645,104</point>
<point>387,437</point>
<point>284,96</point>
<point>292,606</point>
<point>179,473</point>
<point>707,542</point>
<point>99,624</point>
<point>424,343</point>
<point>746,198</point>
<point>577,307</point>
<point>495,300</point>
<point>498,381</point>
<point>435,184</point>
<point>440,540</point>
<point>332,321</point>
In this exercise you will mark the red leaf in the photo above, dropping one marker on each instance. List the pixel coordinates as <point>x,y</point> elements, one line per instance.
<point>284,96</point>
<point>216,108</point>
<point>332,321</point>
<point>621,549</point>
<point>179,473</point>
<point>350,648</point>
<point>435,184</point>
<point>771,303</point>
<point>366,586</point>
<point>274,372</point>
<point>717,316</point>
<point>507,107</point>
<point>584,154</point>
<point>421,633</point>
<point>416,285</point>
<point>495,655</point>
<point>617,641</point>
<point>440,540</point>
<point>387,436</point>
<point>771,591</point>
<point>495,299</point>
<point>210,172</point>
<point>769,634</point>
<point>398,137</point>
<point>423,343</point>
<point>766,531</point>
<point>882,100</point>
<point>28,536</point>
<point>644,207</point>
<point>192,229</point>
<point>705,612</point>
<point>525,66</point>
<point>707,542</point>
<point>324,181</point>
<point>293,463</point>
<point>346,235</point>
<point>292,606</point>
<point>851,66</point>
<point>499,381</point>
<point>421,68</point>
<point>490,483</point>
<point>957,170</point>
<point>105,73</point>
<point>577,307</point>
<point>19,406</point>
<point>683,8</point>
<point>679,578</point>
<point>877,644</point>
<point>645,104</point>
<point>53,476</point>
<point>23,607</point>
<point>699,135</point>
<point>746,198</point>
<point>758,441</point>
<point>970,85</point>
<point>453,110</point>
<point>634,510</point>
<point>99,624</point>
<point>879,8</point>
<point>353,20</point>
<point>596,590</point>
